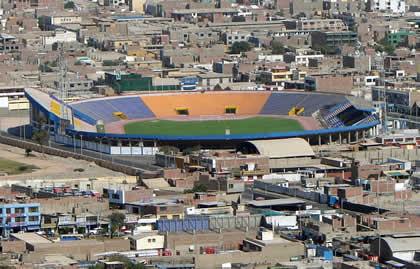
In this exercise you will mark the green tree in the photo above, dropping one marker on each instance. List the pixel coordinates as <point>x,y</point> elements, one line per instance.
<point>277,47</point>
<point>69,5</point>
<point>117,221</point>
<point>241,46</point>
<point>383,45</point>
<point>41,137</point>
<point>43,21</point>
<point>324,49</point>
<point>198,187</point>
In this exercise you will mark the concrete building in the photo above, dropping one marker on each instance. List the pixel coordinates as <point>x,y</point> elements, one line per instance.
<point>330,25</point>
<point>147,241</point>
<point>393,6</point>
<point>333,39</point>
<point>19,217</point>
<point>137,6</point>
<point>120,197</point>
<point>59,36</point>
<point>9,43</point>
<point>157,208</point>
<point>334,83</point>
<point>280,75</point>
<point>229,38</point>
<point>64,18</point>
<point>77,87</point>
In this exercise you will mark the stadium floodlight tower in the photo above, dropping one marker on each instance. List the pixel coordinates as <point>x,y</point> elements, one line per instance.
<point>62,86</point>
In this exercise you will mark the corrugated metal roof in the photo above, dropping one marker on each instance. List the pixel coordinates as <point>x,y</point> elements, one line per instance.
<point>403,244</point>
<point>283,148</point>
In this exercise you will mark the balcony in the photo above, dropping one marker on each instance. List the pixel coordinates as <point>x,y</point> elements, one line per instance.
<point>239,173</point>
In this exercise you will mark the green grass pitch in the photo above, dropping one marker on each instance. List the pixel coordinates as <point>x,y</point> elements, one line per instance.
<point>213,127</point>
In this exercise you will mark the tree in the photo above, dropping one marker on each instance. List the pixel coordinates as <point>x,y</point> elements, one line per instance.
<point>43,22</point>
<point>78,63</point>
<point>69,5</point>
<point>277,47</point>
<point>41,137</point>
<point>198,187</point>
<point>241,46</point>
<point>28,152</point>
<point>117,221</point>
<point>384,45</point>
<point>324,49</point>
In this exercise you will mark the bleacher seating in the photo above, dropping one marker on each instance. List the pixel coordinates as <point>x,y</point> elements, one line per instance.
<point>132,107</point>
<point>208,103</point>
<point>337,110</point>
<point>104,109</point>
<point>281,103</point>
<point>346,115</point>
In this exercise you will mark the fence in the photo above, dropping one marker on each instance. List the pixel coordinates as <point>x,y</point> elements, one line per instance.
<point>210,223</point>
<point>104,148</point>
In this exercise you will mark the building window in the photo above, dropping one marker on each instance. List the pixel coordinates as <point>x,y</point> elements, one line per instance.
<point>230,186</point>
<point>1,210</point>
<point>163,217</point>
<point>175,217</point>
<point>115,196</point>
<point>19,210</point>
<point>163,208</point>
<point>33,209</point>
<point>20,219</point>
<point>33,218</point>
<point>8,210</point>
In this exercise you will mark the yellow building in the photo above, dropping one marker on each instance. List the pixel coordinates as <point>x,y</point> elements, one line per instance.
<point>278,75</point>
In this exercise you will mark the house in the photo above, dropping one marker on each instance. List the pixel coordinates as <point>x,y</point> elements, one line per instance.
<point>333,39</point>
<point>157,208</point>
<point>19,217</point>
<point>147,241</point>
<point>9,43</point>
<point>120,197</point>
<point>59,36</point>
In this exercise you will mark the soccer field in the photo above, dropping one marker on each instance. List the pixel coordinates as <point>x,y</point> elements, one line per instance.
<point>213,127</point>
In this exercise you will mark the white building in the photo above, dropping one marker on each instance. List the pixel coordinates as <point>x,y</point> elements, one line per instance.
<point>395,6</point>
<point>147,241</point>
<point>59,35</point>
<point>64,18</point>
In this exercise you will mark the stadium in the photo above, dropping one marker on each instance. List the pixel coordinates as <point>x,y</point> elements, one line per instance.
<point>140,123</point>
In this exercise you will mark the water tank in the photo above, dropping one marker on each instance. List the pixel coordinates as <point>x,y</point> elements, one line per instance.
<point>99,122</point>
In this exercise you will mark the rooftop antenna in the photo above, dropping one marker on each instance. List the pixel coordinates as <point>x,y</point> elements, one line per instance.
<point>62,81</point>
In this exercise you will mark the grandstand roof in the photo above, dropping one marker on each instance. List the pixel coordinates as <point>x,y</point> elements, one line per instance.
<point>281,148</point>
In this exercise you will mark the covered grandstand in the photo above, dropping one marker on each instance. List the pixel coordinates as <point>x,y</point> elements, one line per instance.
<point>87,121</point>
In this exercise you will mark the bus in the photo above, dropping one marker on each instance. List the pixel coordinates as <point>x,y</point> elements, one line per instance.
<point>71,237</point>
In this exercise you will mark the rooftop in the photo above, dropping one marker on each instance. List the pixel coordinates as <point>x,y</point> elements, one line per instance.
<point>31,238</point>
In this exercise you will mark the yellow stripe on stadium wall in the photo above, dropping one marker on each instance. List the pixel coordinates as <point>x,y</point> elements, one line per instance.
<point>77,122</point>
<point>55,108</point>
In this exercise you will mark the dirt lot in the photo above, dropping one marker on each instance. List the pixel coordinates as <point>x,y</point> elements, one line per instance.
<point>52,167</point>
